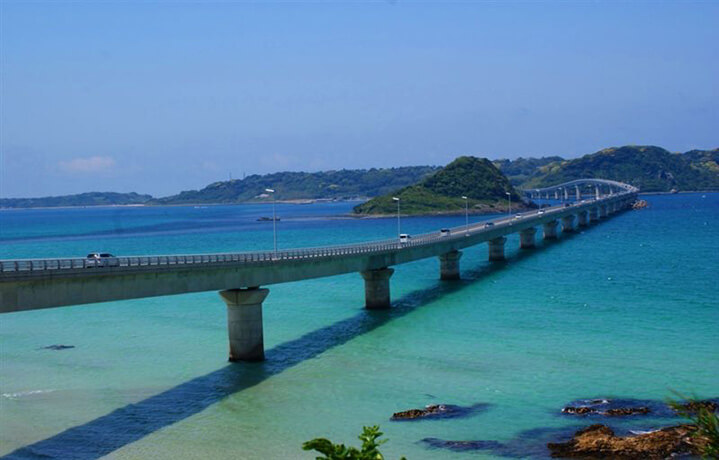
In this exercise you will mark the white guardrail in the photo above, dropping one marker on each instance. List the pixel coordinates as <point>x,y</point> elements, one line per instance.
<point>32,265</point>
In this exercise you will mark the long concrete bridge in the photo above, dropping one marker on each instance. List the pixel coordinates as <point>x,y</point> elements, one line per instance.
<point>30,284</point>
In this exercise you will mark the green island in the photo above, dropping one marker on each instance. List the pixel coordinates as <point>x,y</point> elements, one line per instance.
<point>484,185</point>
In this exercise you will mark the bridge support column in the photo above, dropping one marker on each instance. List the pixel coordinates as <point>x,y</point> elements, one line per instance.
<point>449,265</point>
<point>376,288</point>
<point>526,238</point>
<point>568,224</point>
<point>594,214</point>
<point>582,219</point>
<point>603,210</point>
<point>550,230</point>
<point>496,248</point>
<point>244,323</point>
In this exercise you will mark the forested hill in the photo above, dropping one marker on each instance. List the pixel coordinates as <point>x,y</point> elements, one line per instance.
<point>476,178</point>
<point>520,170</point>
<point>652,169</point>
<point>81,199</point>
<point>342,184</point>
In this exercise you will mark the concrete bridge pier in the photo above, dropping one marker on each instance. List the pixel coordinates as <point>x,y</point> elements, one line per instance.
<point>568,224</point>
<point>526,238</point>
<point>376,288</point>
<point>496,248</point>
<point>602,210</point>
<point>594,214</point>
<point>550,230</point>
<point>582,219</point>
<point>244,323</point>
<point>449,265</point>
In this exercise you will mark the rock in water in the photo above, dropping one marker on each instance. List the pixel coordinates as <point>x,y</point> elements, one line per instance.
<point>582,410</point>
<point>626,411</point>
<point>438,411</point>
<point>694,406</point>
<point>640,204</point>
<point>412,414</point>
<point>599,441</point>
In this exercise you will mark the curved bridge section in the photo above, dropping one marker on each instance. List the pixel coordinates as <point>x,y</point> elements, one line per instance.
<point>577,189</point>
<point>45,283</point>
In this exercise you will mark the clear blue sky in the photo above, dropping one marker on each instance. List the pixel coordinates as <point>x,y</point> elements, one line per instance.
<point>158,97</point>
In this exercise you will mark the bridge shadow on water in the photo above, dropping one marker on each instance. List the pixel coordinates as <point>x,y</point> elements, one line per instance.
<point>101,436</point>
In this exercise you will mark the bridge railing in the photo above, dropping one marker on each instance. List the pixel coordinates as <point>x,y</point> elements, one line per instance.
<point>376,247</point>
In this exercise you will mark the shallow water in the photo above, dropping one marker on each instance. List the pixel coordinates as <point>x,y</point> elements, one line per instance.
<point>624,309</point>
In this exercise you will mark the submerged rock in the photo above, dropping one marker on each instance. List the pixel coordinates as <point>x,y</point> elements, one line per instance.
<point>462,446</point>
<point>437,411</point>
<point>626,411</point>
<point>58,347</point>
<point>599,441</point>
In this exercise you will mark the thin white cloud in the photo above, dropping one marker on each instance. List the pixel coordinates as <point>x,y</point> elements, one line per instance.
<point>88,164</point>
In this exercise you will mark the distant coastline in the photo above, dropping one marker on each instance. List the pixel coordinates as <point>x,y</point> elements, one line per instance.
<point>650,168</point>
<point>188,205</point>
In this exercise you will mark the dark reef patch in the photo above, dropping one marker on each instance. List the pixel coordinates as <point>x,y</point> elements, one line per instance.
<point>58,347</point>
<point>527,444</point>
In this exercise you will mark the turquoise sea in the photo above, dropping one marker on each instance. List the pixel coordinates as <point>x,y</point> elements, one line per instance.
<point>624,309</point>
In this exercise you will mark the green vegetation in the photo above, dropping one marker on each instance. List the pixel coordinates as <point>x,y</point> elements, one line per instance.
<point>704,160</point>
<point>82,199</point>
<point>650,168</point>
<point>706,421</point>
<point>476,178</point>
<point>520,170</point>
<point>344,184</point>
<point>368,451</point>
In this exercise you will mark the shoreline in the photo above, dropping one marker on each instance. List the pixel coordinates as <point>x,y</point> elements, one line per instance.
<point>483,212</point>
<point>142,205</point>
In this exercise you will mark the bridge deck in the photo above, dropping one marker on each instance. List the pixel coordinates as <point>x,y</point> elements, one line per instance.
<point>44,283</point>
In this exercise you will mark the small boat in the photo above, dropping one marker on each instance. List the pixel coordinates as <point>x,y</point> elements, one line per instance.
<point>267,219</point>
